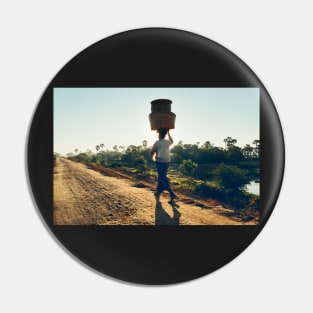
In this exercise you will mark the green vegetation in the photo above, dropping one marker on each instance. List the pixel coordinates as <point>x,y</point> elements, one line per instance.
<point>188,167</point>
<point>230,177</point>
<point>203,170</point>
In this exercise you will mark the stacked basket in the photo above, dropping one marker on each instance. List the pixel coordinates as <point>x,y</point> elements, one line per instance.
<point>161,115</point>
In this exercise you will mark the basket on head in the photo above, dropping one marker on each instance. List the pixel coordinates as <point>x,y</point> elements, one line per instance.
<point>162,120</point>
<point>161,105</point>
<point>161,115</point>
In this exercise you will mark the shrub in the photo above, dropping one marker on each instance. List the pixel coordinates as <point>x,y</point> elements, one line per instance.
<point>206,190</point>
<point>188,167</point>
<point>141,164</point>
<point>231,177</point>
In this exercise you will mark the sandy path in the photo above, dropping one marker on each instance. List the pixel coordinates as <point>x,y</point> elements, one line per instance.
<point>85,197</point>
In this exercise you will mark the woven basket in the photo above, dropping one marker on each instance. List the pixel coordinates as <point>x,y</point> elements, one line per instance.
<point>162,120</point>
<point>161,105</point>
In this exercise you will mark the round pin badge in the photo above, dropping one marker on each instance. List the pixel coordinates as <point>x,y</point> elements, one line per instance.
<point>155,156</point>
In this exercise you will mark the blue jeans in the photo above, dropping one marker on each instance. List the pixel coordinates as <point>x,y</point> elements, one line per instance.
<point>163,183</point>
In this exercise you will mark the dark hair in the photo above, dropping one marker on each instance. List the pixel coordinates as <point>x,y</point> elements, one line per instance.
<point>162,132</point>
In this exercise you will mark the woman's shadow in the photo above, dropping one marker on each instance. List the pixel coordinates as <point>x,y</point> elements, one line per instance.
<point>163,218</point>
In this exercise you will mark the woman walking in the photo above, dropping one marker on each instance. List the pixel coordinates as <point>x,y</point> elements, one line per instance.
<point>160,153</point>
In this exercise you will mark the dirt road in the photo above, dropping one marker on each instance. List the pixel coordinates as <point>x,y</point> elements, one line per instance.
<point>83,196</point>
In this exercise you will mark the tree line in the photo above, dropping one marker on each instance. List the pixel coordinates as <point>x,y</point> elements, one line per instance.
<point>196,160</point>
<point>196,153</point>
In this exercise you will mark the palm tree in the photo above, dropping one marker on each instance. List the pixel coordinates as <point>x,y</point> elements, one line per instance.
<point>256,142</point>
<point>101,146</point>
<point>247,151</point>
<point>97,148</point>
<point>207,145</point>
<point>233,142</point>
<point>229,142</point>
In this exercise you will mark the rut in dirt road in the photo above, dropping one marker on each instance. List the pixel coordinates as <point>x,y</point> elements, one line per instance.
<point>85,197</point>
<point>82,196</point>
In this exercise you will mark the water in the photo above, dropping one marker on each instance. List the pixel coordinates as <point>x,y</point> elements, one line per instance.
<point>254,188</point>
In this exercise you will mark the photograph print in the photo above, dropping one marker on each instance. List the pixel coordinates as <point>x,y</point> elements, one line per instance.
<point>156,156</point>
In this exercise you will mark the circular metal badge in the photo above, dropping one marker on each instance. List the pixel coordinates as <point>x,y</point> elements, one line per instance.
<point>155,156</point>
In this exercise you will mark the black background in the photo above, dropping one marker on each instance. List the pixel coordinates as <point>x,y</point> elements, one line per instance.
<point>154,58</point>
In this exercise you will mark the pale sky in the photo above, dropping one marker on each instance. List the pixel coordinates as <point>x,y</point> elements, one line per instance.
<point>86,117</point>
